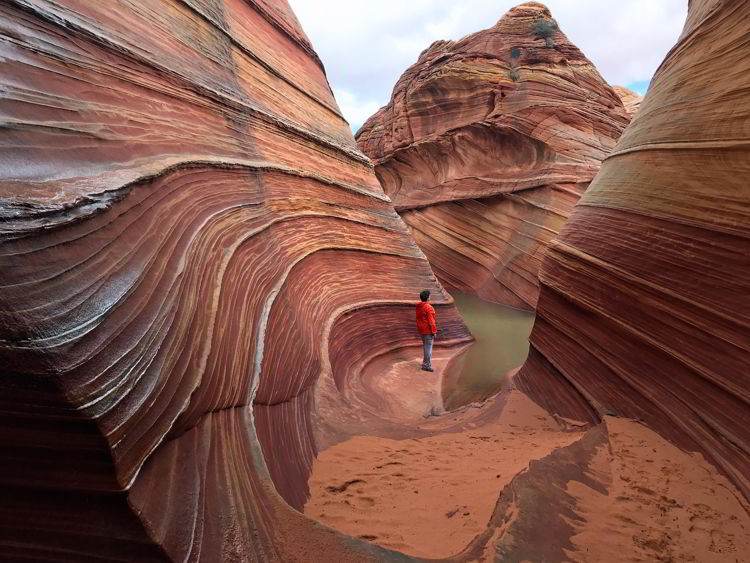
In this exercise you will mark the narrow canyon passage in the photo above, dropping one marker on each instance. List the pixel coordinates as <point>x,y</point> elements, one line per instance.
<point>207,285</point>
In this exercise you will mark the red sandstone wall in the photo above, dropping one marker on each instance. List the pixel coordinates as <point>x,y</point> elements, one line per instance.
<point>645,296</point>
<point>184,218</point>
<point>630,99</point>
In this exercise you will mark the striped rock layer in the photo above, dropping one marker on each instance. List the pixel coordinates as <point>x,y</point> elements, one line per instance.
<point>630,99</point>
<point>189,240</point>
<point>486,145</point>
<point>645,303</point>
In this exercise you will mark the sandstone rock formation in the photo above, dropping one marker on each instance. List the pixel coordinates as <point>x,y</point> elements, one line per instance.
<point>196,264</point>
<point>486,145</point>
<point>645,296</point>
<point>630,99</point>
<point>189,238</point>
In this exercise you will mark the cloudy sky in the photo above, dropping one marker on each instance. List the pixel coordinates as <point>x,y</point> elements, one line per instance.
<point>365,45</point>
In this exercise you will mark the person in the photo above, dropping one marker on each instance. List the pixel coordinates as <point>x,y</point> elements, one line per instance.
<point>427,327</point>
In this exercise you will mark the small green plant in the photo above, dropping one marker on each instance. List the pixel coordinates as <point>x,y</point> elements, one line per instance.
<point>514,75</point>
<point>515,52</point>
<point>546,29</point>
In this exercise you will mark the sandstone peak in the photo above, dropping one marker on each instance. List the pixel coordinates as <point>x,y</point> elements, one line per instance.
<point>515,108</point>
<point>528,9</point>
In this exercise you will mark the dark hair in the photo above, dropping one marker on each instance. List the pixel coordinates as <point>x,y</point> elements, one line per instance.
<point>424,295</point>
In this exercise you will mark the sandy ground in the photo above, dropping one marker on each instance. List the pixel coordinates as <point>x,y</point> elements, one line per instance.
<point>663,504</point>
<point>407,393</point>
<point>429,497</point>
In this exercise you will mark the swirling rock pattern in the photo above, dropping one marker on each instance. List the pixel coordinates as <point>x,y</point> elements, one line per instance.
<point>185,223</point>
<point>630,99</point>
<point>645,297</point>
<point>486,145</point>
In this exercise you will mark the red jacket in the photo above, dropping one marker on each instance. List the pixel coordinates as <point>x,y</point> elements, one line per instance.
<point>426,318</point>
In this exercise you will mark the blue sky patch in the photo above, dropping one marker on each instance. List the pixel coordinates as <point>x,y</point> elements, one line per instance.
<point>639,87</point>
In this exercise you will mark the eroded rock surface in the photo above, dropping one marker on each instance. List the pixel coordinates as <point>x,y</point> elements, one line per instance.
<point>645,296</point>
<point>196,266</point>
<point>486,145</point>
<point>187,231</point>
<point>630,99</point>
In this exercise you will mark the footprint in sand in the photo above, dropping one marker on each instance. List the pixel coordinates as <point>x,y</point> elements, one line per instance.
<point>657,543</point>
<point>721,543</point>
<point>365,502</point>
<point>388,463</point>
<point>341,488</point>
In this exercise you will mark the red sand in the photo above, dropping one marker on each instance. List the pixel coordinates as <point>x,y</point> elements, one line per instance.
<point>430,496</point>
<point>663,504</point>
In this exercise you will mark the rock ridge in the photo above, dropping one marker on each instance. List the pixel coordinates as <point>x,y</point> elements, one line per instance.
<point>486,145</point>
<point>644,303</point>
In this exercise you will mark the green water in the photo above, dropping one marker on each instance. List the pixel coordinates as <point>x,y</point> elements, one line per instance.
<point>502,344</point>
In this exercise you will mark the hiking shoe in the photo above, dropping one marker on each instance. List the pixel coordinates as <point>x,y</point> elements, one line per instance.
<point>427,369</point>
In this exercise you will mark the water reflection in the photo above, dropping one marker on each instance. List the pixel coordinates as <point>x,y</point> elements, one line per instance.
<point>502,344</point>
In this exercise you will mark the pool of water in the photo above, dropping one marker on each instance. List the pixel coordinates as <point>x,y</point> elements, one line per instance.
<point>502,344</point>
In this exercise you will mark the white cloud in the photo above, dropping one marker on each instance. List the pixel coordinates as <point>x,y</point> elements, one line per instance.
<point>355,110</point>
<point>365,45</point>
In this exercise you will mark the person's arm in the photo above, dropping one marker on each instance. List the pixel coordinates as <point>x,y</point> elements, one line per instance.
<point>433,321</point>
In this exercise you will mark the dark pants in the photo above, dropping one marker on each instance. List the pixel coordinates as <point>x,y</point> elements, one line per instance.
<point>427,340</point>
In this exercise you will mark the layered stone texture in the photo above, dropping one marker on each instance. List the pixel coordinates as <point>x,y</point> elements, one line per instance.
<point>486,145</point>
<point>630,99</point>
<point>189,239</point>
<point>645,298</point>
